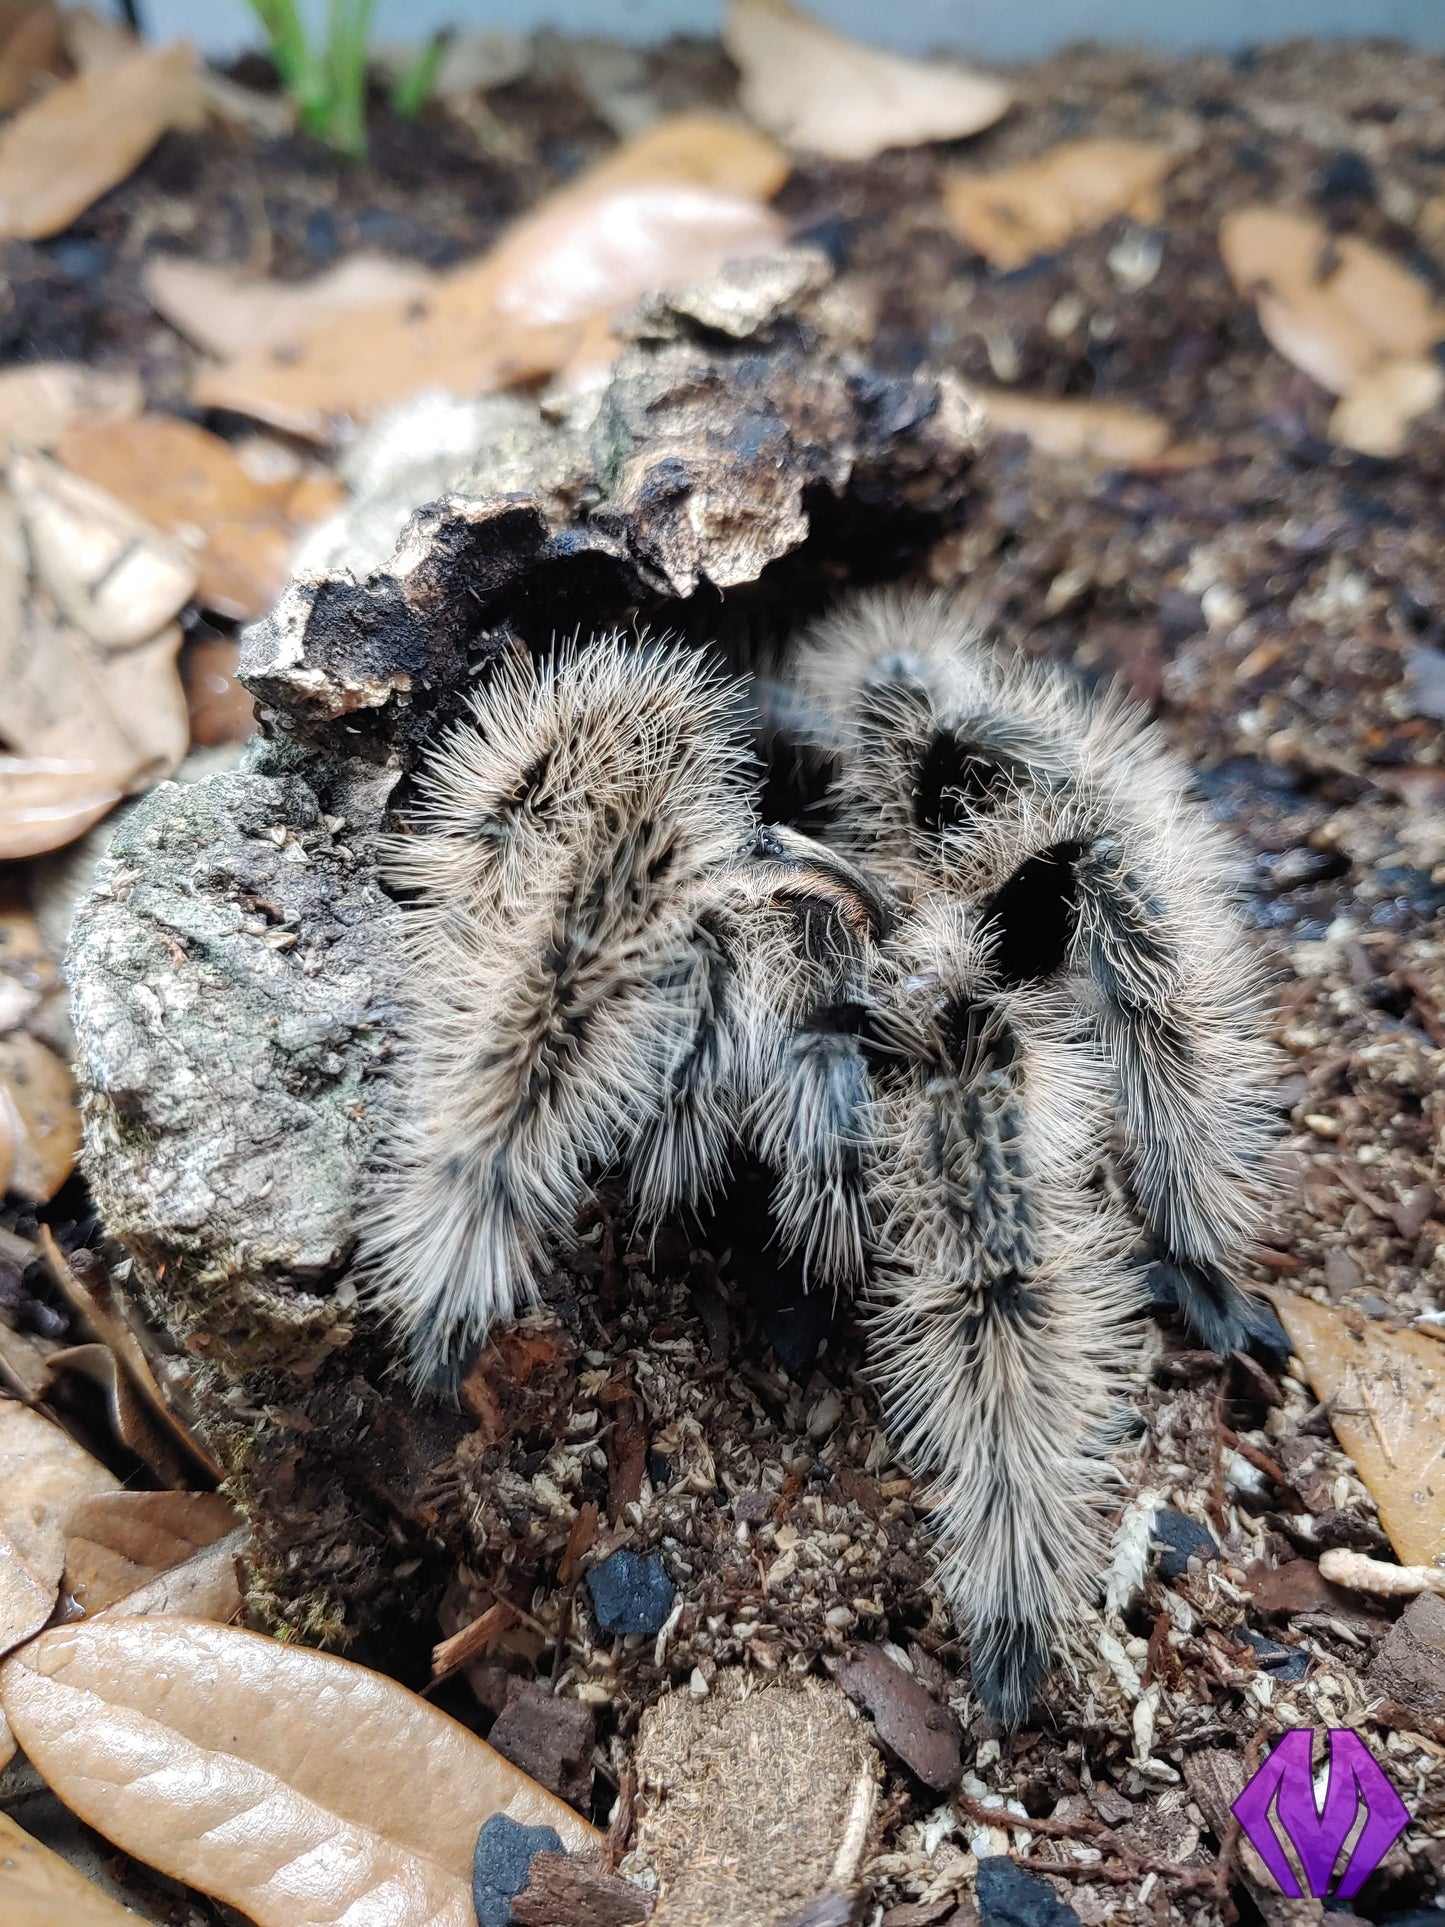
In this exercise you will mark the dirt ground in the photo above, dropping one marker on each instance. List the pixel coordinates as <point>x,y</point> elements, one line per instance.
<point>1279,608</point>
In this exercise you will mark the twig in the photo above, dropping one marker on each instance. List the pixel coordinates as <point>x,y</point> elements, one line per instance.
<point>1261,1461</point>
<point>473,1639</point>
<point>619,1830</point>
<point>1193,1878</point>
<point>1085,1827</point>
<point>1215,1505</point>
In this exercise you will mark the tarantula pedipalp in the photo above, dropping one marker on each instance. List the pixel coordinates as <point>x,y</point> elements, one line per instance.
<point>1017,934</point>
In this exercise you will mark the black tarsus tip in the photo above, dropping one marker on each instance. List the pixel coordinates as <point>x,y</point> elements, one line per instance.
<point>1221,1316</point>
<point>1009,1660</point>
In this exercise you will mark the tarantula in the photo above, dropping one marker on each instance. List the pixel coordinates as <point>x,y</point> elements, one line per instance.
<point>1010,967</point>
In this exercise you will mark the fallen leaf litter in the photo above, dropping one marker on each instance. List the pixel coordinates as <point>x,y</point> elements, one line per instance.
<point>1269,604</point>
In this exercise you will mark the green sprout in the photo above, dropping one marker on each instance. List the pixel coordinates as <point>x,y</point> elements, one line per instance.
<point>413,86</point>
<point>327,78</point>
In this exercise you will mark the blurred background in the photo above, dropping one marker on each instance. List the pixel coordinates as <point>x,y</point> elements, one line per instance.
<point>983,27</point>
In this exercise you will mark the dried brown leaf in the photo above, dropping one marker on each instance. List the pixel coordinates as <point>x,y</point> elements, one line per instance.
<point>96,42</point>
<point>92,729</point>
<point>669,206</point>
<point>68,702</point>
<point>44,1475</point>
<point>205,1586</point>
<point>1385,1393</point>
<point>39,1889</point>
<point>120,1541</point>
<point>131,1420</point>
<point>48,801</point>
<point>86,1287</point>
<point>230,314</point>
<point>819,91</point>
<point>30,46</point>
<point>295,1786</point>
<point>1013,216</point>
<point>24,1358</point>
<point>110,571</point>
<point>222,709</point>
<point>28,977</point>
<point>1347,314</point>
<point>1103,431</point>
<point>1375,417</point>
<point>79,141</point>
<point>192,486</point>
<point>27,1593</point>
<point>41,1100</point>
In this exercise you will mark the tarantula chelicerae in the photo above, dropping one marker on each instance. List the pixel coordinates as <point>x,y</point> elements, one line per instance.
<point>1011,964</point>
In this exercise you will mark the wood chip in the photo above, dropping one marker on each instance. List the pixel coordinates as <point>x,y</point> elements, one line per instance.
<point>1112,433</point>
<point>295,1786</point>
<point>819,91</point>
<point>39,401</point>
<point>1385,1392</point>
<point>38,1096</point>
<point>564,1891</point>
<point>63,153</point>
<point>908,1720</point>
<point>672,205</point>
<point>1013,216</point>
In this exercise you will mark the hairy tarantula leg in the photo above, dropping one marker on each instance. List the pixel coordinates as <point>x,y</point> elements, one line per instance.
<point>679,1153</point>
<point>1178,1019</point>
<point>816,921</point>
<point>1003,1327</point>
<point>556,980</point>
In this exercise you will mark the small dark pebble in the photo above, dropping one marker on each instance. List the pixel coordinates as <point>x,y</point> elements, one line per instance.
<point>1184,1538</point>
<point>322,243</point>
<point>1290,869</point>
<point>502,1865</point>
<point>1346,176</point>
<point>1405,889</point>
<point>631,1594</point>
<point>81,260</point>
<point>549,1736</point>
<point>1425,683</point>
<point>1284,1662</point>
<point>1008,1896</point>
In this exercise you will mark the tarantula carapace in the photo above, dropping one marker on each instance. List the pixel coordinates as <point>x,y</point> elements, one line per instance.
<point>995,1035</point>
